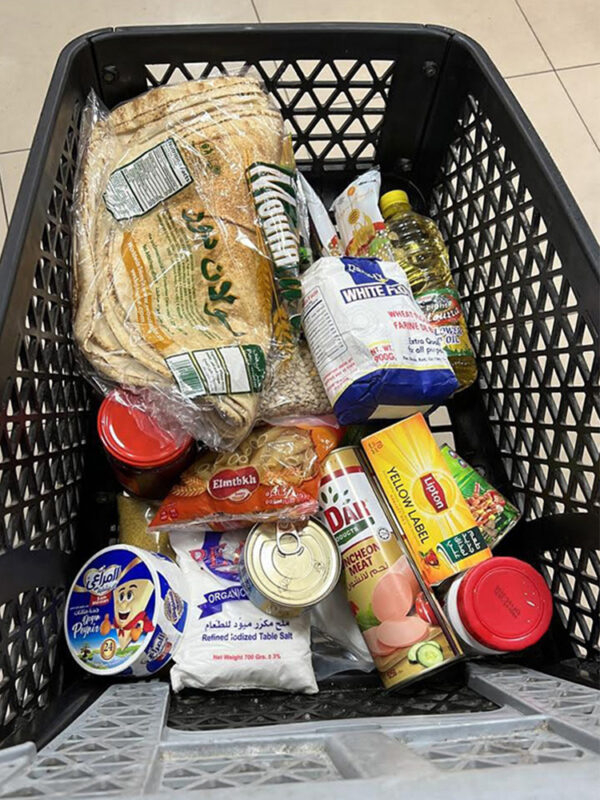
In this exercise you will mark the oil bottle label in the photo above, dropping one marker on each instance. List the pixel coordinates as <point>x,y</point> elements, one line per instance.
<point>443,310</point>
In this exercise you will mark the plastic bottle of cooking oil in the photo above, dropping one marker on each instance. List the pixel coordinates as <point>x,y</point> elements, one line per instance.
<point>420,250</point>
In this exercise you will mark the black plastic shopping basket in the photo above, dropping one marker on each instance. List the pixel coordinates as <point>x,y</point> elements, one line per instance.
<point>428,106</point>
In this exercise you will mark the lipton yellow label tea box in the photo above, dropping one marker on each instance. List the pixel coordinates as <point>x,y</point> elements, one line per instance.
<point>436,521</point>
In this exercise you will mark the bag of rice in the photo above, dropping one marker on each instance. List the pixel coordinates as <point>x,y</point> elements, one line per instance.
<point>229,643</point>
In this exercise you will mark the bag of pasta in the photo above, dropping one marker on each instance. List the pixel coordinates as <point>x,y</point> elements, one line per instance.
<point>274,474</point>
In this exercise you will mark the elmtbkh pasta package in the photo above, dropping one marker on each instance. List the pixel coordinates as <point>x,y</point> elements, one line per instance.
<point>274,474</point>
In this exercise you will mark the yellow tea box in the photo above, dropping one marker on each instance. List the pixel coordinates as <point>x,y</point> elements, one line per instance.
<point>436,521</point>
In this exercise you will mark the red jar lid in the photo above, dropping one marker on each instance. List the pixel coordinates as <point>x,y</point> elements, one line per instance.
<point>504,603</point>
<point>133,437</point>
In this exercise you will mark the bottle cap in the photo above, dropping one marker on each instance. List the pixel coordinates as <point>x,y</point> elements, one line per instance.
<point>504,604</point>
<point>390,199</point>
<point>133,437</point>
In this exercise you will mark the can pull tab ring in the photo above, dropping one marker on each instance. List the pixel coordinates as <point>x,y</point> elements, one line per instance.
<point>285,533</point>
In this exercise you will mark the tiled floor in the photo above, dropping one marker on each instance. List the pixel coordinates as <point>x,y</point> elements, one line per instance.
<point>549,51</point>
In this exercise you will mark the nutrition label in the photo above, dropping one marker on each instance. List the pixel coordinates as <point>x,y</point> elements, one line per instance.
<point>218,370</point>
<point>326,342</point>
<point>141,185</point>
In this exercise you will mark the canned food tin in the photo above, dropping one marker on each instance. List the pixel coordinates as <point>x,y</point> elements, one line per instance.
<point>401,622</point>
<point>287,568</point>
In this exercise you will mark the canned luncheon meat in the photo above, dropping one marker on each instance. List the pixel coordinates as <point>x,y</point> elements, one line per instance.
<point>287,568</point>
<point>400,620</point>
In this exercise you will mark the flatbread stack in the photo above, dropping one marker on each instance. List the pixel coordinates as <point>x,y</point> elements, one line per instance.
<point>189,274</point>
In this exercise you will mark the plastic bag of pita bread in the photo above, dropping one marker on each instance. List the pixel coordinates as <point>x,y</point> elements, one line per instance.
<point>274,474</point>
<point>180,289</point>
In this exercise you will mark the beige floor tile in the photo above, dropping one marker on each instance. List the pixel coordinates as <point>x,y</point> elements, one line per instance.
<point>497,25</point>
<point>583,86</point>
<point>569,30</point>
<point>11,171</point>
<point>32,33</point>
<point>551,112</point>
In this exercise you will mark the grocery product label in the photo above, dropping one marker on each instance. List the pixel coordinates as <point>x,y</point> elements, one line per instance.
<point>443,310</point>
<point>273,474</point>
<point>191,293</point>
<point>138,187</point>
<point>350,508</point>
<point>219,370</point>
<point>362,229</point>
<point>361,319</point>
<point>494,514</point>
<point>125,613</point>
<point>437,525</point>
<point>401,623</point>
<point>274,192</point>
<point>229,643</point>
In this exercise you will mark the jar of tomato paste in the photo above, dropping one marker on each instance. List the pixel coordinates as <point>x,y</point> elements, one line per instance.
<point>498,606</point>
<point>146,459</point>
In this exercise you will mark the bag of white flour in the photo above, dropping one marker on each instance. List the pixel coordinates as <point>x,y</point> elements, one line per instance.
<point>377,354</point>
<point>229,643</point>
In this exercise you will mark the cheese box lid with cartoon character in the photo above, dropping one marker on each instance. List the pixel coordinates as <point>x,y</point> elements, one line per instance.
<point>126,612</point>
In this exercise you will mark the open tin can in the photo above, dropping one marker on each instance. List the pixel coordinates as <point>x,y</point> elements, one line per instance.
<point>286,568</point>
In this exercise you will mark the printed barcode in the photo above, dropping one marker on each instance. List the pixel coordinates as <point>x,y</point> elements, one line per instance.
<point>153,177</point>
<point>187,376</point>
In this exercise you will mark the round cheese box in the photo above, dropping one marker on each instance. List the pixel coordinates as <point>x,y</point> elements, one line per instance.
<point>126,612</point>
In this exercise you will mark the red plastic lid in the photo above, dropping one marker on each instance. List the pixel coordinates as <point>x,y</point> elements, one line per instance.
<point>504,604</point>
<point>133,437</point>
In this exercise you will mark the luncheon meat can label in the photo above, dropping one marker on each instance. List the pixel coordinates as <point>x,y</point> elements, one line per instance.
<point>402,625</point>
<point>126,612</point>
<point>436,521</point>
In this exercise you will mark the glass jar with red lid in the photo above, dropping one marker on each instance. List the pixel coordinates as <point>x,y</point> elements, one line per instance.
<point>146,459</point>
<point>499,606</point>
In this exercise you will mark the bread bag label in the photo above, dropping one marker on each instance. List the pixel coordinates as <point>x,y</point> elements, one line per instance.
<point>148,180</point>
<point>219,370</point>
<point>274,193</point>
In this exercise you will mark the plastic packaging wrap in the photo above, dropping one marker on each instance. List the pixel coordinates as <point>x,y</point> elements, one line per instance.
<point>228,642</point>
<point>274,190</point>
<point>174,287</point>
<point>325,236</point>
<point>274,474</point>
<point>337,643</point>
<point>296,389</point>
<point>378,356</point>
<point>362,228</point>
